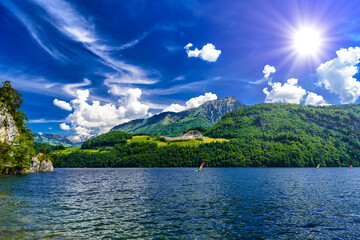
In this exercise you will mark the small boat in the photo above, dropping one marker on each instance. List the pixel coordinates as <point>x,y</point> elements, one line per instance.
<point>351,166</point>
<point>318,166</point>
<point>201,166</point>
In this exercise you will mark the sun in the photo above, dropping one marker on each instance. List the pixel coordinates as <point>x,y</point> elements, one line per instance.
<point>307,42</point>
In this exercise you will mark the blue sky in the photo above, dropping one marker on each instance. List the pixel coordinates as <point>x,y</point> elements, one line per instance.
<point>85,66</point>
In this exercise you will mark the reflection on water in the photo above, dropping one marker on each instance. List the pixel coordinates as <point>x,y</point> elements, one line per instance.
<point>181,203</point>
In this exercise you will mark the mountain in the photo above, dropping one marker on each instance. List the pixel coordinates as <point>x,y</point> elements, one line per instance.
<point>173,124</point>
<point>263,135</point>
<point>57,139</point>
<point>279,134</point>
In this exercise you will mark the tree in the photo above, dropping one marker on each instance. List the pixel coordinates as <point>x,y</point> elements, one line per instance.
<point>17,154</point>
<point>10,97</point>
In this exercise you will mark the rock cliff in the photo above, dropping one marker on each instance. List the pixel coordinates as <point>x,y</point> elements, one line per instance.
<point>8,129</point>
<point>40,163</point>
<point>8,140</point>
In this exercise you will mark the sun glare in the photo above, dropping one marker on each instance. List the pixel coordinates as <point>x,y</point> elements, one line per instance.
<point>307,42</point>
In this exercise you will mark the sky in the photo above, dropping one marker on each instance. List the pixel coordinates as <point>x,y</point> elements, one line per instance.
<point>83,67</point>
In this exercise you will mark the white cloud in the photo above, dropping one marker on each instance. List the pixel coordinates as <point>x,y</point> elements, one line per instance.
<point>43,120</point>
<point>290,92</point>
<point>268,70</point>
<point>93,118</point>
<point>207,53</point>
<point>192,103</point>
<point>197,101</point>
<point>174,108</point>
<point>40,133</point>
<point>179,78</point>
<point>119,83</point>
<point>73,87</point>
<point>188,87</point>
<point>316,100</point>
<point>62,104</point>
<point>82,131</point>
<point>292,81</point>
<point>33,30</point>
<point>337,74</point>
<point>65,127</point>
<point>66,18</point>
<point>80,35</point>
<point>189,45</point>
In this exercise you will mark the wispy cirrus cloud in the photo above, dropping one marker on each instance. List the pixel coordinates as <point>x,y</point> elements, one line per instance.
<point>35,84</point>
<point>43,120</point>
<point>34,30</point>
<point>193,86</point>
<point>71,24</point>
<point>71,88</point>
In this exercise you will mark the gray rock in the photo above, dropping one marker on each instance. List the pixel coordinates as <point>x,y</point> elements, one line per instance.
<point>8,129</point>
<point>39,164</point>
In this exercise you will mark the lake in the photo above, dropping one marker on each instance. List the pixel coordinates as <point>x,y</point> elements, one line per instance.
<point>181,203</point>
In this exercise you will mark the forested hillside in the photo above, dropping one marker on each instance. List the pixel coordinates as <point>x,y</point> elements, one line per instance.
<point>310,133</point>
<point>264,135</point>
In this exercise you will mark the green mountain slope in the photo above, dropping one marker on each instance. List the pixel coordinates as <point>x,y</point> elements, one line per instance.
<point>55,139</point>
<point>277,134</point>
<point>173,124</point>
<point>264,135</point>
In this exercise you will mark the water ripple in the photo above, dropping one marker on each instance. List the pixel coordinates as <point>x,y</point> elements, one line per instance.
<point>220,203</point>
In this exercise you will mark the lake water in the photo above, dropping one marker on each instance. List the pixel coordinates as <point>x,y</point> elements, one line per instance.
<point>180,203</point>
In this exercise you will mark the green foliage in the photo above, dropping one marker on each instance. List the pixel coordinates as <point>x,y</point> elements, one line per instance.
<point>201,130</point>
<point>107,139</point>
<point>46,155</point>
<point>15,155</point>
<point>10,97</point>
<point>316,134</point>
<point>47,147</point>
<point>264,135</point>
<point>143,134</point>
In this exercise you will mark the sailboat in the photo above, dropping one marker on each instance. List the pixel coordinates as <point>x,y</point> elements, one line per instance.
<point>318,166</point>
<point>351,166</point>
<point>201,166</point>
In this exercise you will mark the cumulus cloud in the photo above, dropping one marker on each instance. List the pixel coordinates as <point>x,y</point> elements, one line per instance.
<point>175,108</point>
<point>62,104</point>
<point>290,92</point>
<point>268,70</point>
<point>192,103</point>
<point>207,53</point>
<point>189,45</point>
<point>337,74</point>
<point>316,100</point>
<point>65,127</point>
<point>94,118</point>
